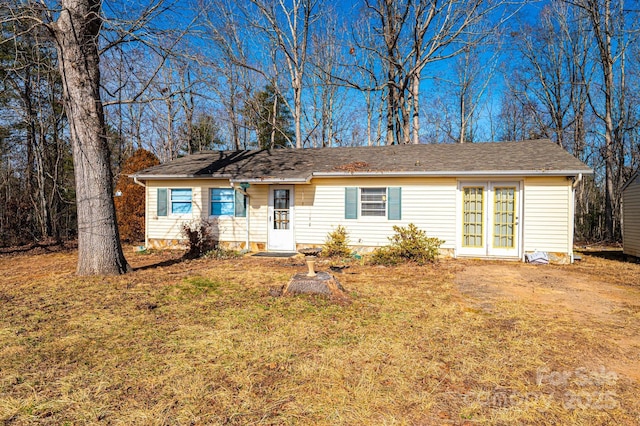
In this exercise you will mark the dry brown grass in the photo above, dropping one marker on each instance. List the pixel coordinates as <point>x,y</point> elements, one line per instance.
<point>202,342</point>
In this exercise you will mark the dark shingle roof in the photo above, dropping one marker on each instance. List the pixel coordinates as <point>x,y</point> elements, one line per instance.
<point>516,158</point>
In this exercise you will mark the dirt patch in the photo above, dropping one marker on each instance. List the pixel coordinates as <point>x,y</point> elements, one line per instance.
<point>597,294</point>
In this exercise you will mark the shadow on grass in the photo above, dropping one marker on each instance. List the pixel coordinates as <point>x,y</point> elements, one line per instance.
<point>40,247</point>
<point>616,255</point>
<point>164,263</point>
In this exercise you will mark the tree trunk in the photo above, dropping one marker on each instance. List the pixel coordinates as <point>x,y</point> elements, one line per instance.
<point>463,117</point>
<point>77,30</point>
<point>415,96</point>
<point>391,113</point>
<point>297,105</point>
<point>603,38</point>
<point>274,117</point>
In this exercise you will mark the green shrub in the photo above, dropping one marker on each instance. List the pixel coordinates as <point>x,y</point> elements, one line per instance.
<point>408,244</point>
<point>222,253</point>
<point>337,243</point>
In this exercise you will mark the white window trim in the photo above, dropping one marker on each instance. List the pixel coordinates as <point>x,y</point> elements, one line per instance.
<point>386,204</point>
<point>211,215</point>
<point>170,203</point>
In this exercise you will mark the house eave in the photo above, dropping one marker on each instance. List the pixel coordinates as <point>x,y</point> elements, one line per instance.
<point>629,181</point>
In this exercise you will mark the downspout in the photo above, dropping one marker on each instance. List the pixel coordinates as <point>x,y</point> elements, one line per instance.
<point>246,194</point>
<point>577,180</point>
<point>146,209</point>
<point>574,185</point>
<point>248,246</point>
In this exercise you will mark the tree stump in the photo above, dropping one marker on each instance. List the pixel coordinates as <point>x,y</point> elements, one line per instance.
<point>322,283</point>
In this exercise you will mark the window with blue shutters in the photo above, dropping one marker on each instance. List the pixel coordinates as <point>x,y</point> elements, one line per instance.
<point>181,200</point>
<point>373,202</point>
<point>228,202</point>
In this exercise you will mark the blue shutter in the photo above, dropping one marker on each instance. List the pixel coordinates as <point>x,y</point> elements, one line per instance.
<point>351,203</point>
<point>241,204</point>
<point>395,203</point>
<point>162,202</point>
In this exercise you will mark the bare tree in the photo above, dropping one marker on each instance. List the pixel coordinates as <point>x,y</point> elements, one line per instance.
<point>612,36</point>
<point>328,97</point>
<point>553,70</point>
<point>413,34</point>
<point>474,69</point>
<point>76,32</point>
<point>282,30</point>
<point>76,27</point>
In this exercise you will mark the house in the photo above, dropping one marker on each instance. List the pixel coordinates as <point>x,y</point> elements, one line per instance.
<point>631,216</point>
<point>493,200</point>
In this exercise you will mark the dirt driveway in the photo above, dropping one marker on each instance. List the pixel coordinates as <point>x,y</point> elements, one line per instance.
<point>599,294</point>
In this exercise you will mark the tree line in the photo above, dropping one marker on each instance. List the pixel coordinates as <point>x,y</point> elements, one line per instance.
<point>85,82</point>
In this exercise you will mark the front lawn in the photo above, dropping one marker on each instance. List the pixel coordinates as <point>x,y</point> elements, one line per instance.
<point>203,342</point>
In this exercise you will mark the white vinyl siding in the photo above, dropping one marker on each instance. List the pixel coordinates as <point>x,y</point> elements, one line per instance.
<point>547,215</point>
<point>169,227</point>
<point>226,228</point>
<point>429,203</point>
<point>631,218</point>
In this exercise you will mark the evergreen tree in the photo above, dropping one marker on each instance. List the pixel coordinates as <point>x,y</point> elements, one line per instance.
<point>205,134</point>
<point>270,117</point>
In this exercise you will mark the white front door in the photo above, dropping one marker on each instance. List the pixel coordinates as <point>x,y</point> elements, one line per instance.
<point>489,219</point>
<point>281,233</point>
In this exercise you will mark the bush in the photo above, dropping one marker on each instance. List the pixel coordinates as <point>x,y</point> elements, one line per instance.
<point>130,205</point>
<point>199,238</point>
<point>337,243</point>
<point>408,244</point>
<point>220,253</point>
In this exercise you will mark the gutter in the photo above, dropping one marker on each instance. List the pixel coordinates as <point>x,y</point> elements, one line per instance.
<point>455,173</point>
<point>264,180</point>
<point>274,180</point>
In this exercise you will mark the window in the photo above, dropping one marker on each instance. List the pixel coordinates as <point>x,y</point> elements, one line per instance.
<point>373,201</point>
<point>472,222</point>
<point>228,202</point>
<point>181,201</point>
<point>281,204</point>
<point>222,202</point>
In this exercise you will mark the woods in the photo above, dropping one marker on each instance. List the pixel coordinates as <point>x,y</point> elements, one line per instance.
<point>86,83</point>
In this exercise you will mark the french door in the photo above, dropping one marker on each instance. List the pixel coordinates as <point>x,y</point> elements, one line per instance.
<point>489,219</point>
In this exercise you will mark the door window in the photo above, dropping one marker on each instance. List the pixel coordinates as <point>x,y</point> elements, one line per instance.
<point>472,235</point>
<point>504,217</point>
<point>281,206</point>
